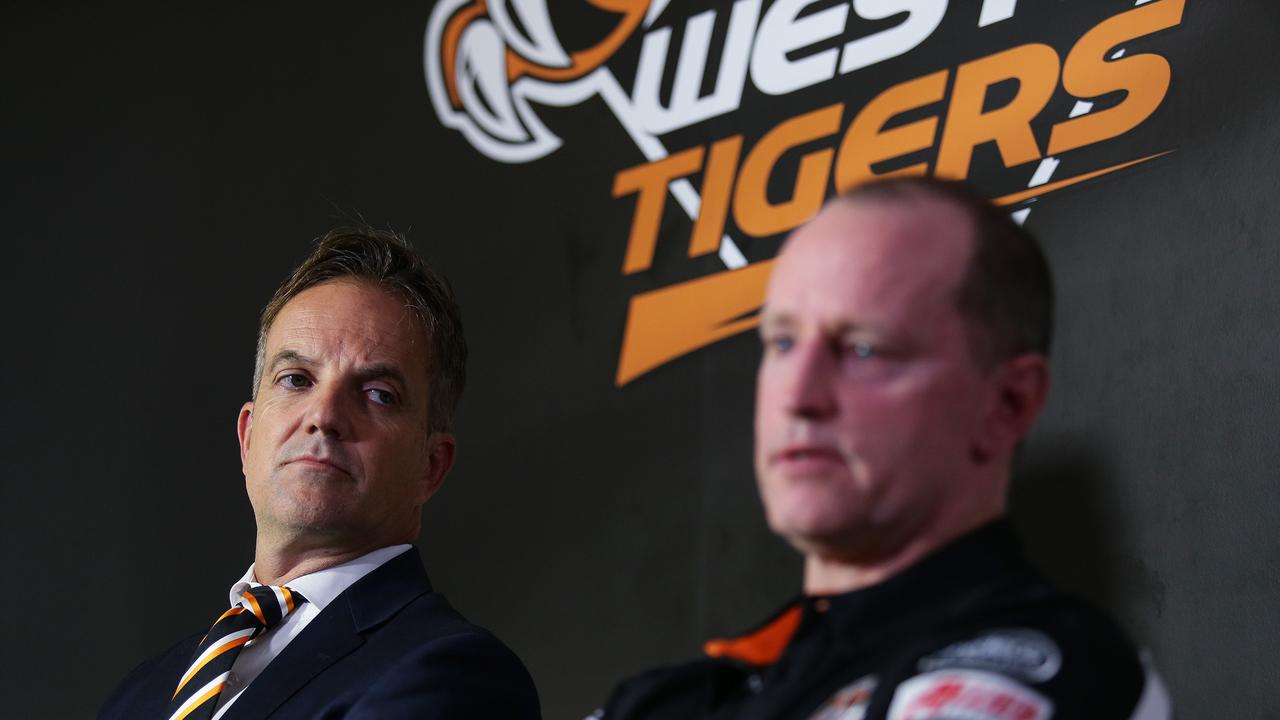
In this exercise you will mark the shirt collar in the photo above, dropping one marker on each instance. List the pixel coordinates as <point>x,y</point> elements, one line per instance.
<point>964,567</point>
<point>322,586</point>
<point>951,577</point>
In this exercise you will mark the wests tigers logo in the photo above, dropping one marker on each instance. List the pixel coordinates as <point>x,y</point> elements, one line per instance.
<point>486,59</point>
<point>850,108</point>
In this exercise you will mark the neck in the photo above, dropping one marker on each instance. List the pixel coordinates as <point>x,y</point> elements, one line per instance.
<point>828,572</point>
<point>279,564</point>
<point>832,574</point>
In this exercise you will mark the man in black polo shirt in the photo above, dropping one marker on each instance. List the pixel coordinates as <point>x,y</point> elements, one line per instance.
<point>906,333</point>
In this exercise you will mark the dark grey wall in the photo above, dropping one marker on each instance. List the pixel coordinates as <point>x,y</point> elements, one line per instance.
<point>163,168</point>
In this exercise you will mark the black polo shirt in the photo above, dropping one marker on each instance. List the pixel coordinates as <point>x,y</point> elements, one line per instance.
<point>971,632</point>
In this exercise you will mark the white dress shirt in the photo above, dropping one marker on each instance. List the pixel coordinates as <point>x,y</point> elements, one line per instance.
<point>319,588</point>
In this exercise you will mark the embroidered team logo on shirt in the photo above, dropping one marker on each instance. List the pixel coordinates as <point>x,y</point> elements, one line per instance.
<point>967,695</point>
<point>1020,652</point>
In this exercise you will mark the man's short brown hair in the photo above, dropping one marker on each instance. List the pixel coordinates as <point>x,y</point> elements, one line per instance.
<point>1006,294</point>
<point>386,260</point>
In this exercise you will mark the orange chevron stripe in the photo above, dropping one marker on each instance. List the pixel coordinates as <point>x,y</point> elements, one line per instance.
<point>255,607</point>
<point>1039,190</point>
<point>449,46</point>
<point>211,692</point>
<point>195,669</point>
<point>585,61</point>
<point>288,599</point>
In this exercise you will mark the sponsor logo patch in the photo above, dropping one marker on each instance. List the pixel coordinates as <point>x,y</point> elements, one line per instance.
<point>1020,652</point>
<point>849,703</point>
<point>967,695</point>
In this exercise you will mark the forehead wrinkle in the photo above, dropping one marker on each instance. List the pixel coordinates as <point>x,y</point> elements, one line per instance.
<point>356,334</point>
<point>289,355</point>
<point>315,327</point>
<point>380,371</point>
<point>420,327</point>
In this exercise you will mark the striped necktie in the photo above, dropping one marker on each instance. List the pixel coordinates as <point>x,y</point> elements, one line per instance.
<point>260,609</point>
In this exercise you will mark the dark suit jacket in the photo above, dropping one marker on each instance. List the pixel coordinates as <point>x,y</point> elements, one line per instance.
<point>387,648</point>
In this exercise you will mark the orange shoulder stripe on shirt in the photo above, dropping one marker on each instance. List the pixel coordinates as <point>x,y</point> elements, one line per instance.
<point>762,647</point>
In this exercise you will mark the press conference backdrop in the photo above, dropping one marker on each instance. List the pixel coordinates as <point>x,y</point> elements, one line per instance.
<point>606,184</point>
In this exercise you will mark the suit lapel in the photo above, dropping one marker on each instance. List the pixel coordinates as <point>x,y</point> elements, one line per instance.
<point>336,632</point>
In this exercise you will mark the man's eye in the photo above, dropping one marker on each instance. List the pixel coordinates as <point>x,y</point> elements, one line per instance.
<point>862,350</point>
<point>294,380</point>
<point>381,396</point>
<point>779,343</point>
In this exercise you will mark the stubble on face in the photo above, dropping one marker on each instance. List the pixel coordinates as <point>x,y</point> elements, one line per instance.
<point>335,446</point>
<point>866,385</point>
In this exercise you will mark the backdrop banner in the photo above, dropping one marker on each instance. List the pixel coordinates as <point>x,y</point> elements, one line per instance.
<point>606,184</point>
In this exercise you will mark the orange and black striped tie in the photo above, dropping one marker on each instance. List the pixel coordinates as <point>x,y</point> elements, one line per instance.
<point>260,609</point>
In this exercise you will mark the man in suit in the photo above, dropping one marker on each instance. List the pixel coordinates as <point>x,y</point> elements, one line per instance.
<point>360,364</point>
<point>906,335</point>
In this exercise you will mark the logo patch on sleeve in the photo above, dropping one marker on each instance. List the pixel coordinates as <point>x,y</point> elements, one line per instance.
<point>849,703</point>
<point>967,695</point>
<point>1020,652</point>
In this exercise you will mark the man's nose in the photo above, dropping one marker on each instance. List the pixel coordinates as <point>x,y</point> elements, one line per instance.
<point>329,412</point>
<point>811,391</point>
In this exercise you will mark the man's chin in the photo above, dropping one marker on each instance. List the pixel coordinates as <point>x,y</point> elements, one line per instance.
<point>817,535</point>
<point>303,511</point>
<point>819,528</point>
<point>813,543</point>
<point>813,513</point>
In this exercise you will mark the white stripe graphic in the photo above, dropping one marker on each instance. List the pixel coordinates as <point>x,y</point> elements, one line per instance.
<point>247,632</point>
<point>993,11</point>
<point>284,604</point>
<point>186,706</point>
<point>603,82</point>
<point>1082,107</point>
<point>1043,172</point>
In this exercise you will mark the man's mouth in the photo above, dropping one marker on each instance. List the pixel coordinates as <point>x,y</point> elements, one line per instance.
<point>317,462</point>
<point>807,453</point>
<point>808,457</point>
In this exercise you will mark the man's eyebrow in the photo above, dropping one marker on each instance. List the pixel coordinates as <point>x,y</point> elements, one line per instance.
<point>786,321</point>
<point>288,356</point>
<point>381,371</point>
<point>373,371</point>
<point>776,321</point>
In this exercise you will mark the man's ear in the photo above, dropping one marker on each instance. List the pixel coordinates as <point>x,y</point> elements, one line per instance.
<point>244,427</point>
<point>441,451</point>
<point>1021,385</point>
